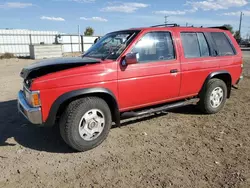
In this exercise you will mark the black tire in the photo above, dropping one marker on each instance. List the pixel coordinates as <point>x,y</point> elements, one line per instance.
<point>205,103</point>
<point>70,119</point>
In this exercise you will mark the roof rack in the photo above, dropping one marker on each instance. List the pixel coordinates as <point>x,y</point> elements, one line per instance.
<point>220,27</point>
<point>166,25</point>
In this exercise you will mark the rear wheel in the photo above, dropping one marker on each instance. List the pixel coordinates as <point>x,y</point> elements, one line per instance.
<point>85,123</point>
<point>213,96</point>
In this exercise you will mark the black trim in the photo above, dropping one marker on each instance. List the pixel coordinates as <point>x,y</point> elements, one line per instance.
<point>166,25</point>
<point>76,93</point>
<point>154,109</point>
<point>213,74</point>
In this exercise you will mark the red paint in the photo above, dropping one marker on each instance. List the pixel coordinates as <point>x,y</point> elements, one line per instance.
<point>145,84</point>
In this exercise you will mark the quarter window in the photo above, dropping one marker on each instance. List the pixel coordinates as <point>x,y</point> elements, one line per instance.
<point>195,45</point>
<point>223,45</point>
<point>155,46</point>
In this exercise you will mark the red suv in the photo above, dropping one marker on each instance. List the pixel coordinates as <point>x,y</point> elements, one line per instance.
<point>131,73</point>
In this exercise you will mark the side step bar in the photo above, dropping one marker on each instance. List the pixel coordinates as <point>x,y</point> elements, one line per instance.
<point>166,107</point>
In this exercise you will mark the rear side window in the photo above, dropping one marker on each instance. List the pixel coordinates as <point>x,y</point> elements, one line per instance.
<point>222,43</point>
<point>195,45</point>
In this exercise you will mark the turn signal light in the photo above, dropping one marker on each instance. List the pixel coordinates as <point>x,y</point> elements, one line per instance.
<point>35,99</point>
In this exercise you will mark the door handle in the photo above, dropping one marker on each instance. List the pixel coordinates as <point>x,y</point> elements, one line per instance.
<point>173,71</point>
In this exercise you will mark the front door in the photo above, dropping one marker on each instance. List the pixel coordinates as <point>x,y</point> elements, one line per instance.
<point>156,76</point>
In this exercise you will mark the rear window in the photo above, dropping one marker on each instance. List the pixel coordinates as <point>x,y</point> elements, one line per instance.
<point>195,45</point>
<point>223,44</point>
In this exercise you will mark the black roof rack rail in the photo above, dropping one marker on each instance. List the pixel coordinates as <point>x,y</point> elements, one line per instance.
<point>220,27</point>
<point>166,25</point>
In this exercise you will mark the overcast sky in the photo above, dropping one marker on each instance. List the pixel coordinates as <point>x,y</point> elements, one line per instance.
<point>105,16</point>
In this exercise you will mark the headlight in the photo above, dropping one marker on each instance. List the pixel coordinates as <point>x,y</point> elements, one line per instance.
<point>32,97</point>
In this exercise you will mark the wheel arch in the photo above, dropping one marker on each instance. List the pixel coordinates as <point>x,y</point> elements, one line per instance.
<point>222,75</point>
<point>61,102</point>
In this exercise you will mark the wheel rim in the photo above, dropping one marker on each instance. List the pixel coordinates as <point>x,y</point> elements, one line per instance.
<point>91,124</point>
<point>216,97</point>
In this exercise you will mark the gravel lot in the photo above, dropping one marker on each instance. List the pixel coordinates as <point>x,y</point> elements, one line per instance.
<point>181,149</point>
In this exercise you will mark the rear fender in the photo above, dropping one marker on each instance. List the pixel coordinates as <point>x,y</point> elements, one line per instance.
<point>223,75</point>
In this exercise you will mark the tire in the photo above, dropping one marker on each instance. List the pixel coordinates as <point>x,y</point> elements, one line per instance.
<point>206,104</point>
<point>90,113</point>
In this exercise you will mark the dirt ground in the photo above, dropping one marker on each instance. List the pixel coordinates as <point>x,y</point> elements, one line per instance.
<point>181,149</point>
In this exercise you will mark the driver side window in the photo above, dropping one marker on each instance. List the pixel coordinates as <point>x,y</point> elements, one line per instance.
<point>155,46</point>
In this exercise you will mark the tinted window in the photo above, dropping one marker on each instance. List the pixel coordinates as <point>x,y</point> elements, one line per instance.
<point>195,45</point>
<point>155,46</point>
<point>223,45</point>
<point>204,49</point>
<point>190,44</point>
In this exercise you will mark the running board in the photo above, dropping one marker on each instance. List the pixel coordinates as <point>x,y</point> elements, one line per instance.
<point>166,107</point>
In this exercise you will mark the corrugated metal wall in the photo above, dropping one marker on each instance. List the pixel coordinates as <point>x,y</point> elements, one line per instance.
<point>17,41</point>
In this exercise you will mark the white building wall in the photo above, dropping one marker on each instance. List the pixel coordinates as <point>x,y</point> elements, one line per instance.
<point>17,41</point>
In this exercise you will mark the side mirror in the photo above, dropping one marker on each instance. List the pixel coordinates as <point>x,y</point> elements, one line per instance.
<point>130,58</point>
<point>96,40</point>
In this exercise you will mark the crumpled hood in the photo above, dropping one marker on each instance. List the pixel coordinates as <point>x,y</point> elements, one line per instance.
<point>44,67</point>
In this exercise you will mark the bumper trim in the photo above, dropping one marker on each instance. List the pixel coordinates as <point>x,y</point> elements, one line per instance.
<point>33,114</point>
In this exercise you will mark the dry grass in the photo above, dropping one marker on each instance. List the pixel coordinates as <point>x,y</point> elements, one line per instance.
<point>7,55</point>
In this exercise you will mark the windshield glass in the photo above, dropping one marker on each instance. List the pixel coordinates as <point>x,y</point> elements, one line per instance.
<point>111,45</point>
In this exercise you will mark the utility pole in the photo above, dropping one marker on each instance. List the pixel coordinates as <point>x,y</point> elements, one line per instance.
<point>166,19</point>
<point>241,14</point>
<point>186,24</point>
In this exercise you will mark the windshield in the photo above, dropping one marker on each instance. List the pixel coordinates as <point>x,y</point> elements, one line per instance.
<point>111,45</point>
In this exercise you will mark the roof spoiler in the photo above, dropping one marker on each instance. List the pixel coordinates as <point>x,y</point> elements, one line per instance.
<point>220,27</point>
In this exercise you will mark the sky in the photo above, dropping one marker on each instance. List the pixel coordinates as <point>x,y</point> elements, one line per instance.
<point>106,16</point>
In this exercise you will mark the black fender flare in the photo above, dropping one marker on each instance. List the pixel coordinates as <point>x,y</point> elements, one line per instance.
<point>217,74</point>
<point>78,93</point>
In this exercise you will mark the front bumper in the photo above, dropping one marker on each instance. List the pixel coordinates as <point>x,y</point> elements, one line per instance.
<point>33,114</point>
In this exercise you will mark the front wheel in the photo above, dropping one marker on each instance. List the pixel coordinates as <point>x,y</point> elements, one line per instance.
<point>213,96</point>
<point>85,123</point>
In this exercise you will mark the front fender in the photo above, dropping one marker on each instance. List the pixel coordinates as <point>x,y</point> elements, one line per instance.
<point>69,96</point>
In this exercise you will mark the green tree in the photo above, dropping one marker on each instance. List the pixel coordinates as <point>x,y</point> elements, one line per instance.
<point>237,36</point>
<point>229,27</point>
<point>89,31</point>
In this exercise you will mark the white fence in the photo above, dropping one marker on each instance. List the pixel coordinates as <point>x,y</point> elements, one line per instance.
<point>18,41</point>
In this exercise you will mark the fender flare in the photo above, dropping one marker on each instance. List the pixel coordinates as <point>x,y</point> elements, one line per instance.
<point>216,74</point>
<point>51,119</point>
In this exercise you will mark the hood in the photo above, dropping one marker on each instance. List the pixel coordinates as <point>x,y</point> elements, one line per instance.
<point>44,67</point>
